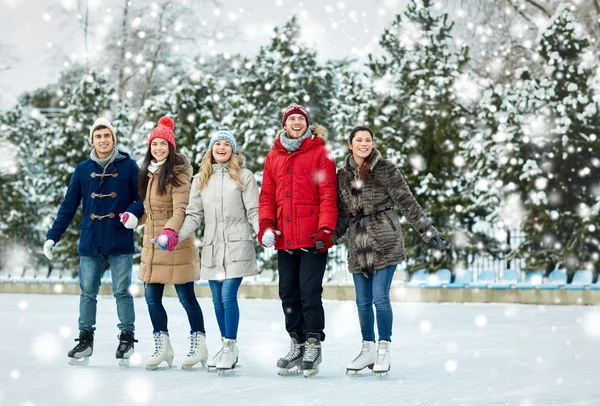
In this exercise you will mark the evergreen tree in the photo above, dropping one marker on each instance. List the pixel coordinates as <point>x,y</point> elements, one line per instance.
<point>284,72</point>
<point>20,230</point>
<point>547,150</point>
<point>423,124</point>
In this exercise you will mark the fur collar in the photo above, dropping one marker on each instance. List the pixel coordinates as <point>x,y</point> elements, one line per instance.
<point>351,165</point>
<point>318,131</point>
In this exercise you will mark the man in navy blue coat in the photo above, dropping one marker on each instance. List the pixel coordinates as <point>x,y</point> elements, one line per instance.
<point>106,184</point>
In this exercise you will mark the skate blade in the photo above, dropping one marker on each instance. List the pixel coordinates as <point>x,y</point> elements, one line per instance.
<point>289,372</point>
<point>124,362</point>
<point>381,374</point>
<point>79,362</point>
<point>356,372</point>
<point>159,368</point>
<point>195,367</point>
<point>310,372</point>
<point>225,371</point>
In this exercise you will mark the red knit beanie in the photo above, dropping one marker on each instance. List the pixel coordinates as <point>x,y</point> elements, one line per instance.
<point>164,130</point>
<point>294,109</point>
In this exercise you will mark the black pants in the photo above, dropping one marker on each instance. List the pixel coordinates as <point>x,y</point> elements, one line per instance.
<point>300,289</point>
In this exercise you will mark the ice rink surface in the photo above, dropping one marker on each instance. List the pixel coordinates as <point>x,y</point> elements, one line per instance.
<point>442,354</point>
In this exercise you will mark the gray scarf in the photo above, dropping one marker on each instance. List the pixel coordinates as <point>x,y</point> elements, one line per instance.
<point>293,144</point>
<point>106,161</point>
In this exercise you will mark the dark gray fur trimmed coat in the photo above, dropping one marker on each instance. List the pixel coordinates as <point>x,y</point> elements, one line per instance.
<point>366,211</point>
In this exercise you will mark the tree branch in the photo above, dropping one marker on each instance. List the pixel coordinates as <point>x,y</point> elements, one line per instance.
<point>540,7</point>
<point>519,11</point>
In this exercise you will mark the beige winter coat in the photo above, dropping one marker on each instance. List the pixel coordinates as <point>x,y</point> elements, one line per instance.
<point>229,215</point>
<point>168,211</point>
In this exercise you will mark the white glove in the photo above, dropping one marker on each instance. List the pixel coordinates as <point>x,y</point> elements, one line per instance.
<point>268,239</point>
<point>48,249</point>
<point>129,220</point>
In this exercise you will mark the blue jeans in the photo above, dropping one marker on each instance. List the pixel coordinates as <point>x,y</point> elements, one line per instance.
<point>224,294</point>
<point>90,272</point>
<point>375,290</point>
<point>187,297</point>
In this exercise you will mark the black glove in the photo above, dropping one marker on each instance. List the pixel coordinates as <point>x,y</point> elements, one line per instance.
<point>438,243</point>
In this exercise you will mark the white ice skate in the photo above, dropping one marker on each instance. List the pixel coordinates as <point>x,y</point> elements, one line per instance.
<point>312,356</point>
<point>366,359</point>
<point>291,362</point>
<point>211,365</point>
<point>198,352</point>
<point>162,352</point>
<point>384,359</point>
<point>229,357</point>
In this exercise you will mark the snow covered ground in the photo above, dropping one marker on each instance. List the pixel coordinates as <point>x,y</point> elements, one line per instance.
<point>443,354</point>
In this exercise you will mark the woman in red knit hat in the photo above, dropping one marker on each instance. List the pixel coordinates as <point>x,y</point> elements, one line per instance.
<point>164,189</point>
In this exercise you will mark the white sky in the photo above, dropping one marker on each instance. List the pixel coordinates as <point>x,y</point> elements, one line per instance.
<point>31,30</point>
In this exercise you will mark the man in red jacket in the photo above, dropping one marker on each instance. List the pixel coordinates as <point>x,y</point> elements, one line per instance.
<point>298,213</point>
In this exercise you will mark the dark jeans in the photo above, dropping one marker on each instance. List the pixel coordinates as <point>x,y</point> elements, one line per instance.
<point>224,294</point>
<point>300,289</point>
<point>375,290</point>
<point>187,297</point>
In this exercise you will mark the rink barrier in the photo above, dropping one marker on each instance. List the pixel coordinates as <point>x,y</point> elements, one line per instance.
<point>588,295</point>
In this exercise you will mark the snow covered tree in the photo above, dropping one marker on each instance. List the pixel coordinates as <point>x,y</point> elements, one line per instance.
<point>21,235</point>
<point>284,72</point>
<point>196,107</point>
<point>547,145</point>
<point>66,143</point>
<point>423,122</point>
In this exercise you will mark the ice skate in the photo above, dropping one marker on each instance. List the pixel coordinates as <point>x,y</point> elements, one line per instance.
<point>126,347</point>
<point>312,355</point>
<point>384,359</point>
<point>229,357</point>
<point>80,354</point>
<point>163,352</point>
<point>291,362</point>
<point>365,359</point>
<point>211,365</point>
<point>198,352</point>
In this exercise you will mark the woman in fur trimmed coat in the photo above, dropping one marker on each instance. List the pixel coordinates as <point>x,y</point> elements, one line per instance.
<point>369,188</point>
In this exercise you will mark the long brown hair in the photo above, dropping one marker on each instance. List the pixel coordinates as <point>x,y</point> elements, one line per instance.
<point>166,175</point>
<point>366,165</point>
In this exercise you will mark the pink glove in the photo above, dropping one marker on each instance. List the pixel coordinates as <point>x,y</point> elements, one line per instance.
<point>167,240</point>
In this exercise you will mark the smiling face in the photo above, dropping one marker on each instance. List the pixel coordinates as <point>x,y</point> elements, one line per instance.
<point>361,146</point>
<point>295,125</point>
<point>102,140</point>
<point>159,149</point>
<point>221,151</point>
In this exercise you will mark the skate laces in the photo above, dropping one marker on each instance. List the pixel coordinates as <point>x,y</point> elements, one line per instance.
<point>311,351</point>
<point>294,352</point>
<point>193,345</point>
<point>157,345</point>
<point>363,352</point>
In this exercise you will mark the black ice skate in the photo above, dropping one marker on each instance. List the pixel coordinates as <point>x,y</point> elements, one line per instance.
<point>290,363</point>
<point>312,355</point>
<point>125,349</point>
<point>80,355</point>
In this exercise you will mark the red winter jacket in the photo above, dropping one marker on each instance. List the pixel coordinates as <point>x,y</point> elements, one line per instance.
<point>299,191</point>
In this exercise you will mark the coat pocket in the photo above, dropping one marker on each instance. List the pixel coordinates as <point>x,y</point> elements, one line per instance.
<point>240,247</point>
<point>207,256</point>
<point>389,219</point>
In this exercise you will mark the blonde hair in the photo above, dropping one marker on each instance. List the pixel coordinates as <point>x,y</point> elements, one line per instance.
<point>236,162</point>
